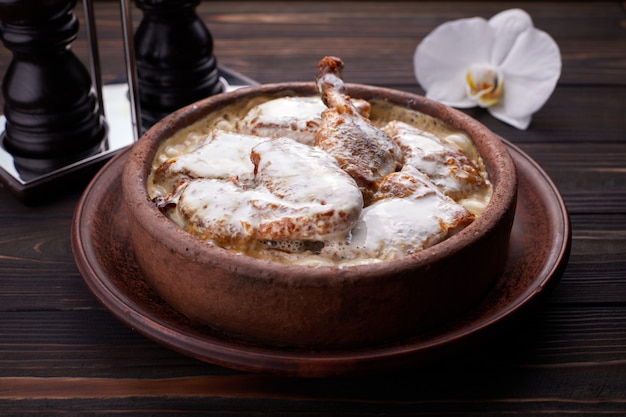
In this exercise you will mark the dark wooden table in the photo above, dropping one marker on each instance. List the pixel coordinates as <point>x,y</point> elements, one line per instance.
<point>61,352</point>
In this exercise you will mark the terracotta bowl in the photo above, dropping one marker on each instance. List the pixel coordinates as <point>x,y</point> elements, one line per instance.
<point>276,304</point>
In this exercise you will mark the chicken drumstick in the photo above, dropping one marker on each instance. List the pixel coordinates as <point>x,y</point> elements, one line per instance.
<point>361,149</point>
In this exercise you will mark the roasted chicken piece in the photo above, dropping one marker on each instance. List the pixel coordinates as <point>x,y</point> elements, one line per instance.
<point>297,118</point>
<point>221,155</point>
<point>363,150</point>
<point>445,162</point>
<point>408,213</point>
<point>300,194</point>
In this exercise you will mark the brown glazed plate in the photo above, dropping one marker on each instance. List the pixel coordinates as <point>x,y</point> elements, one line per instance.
<point>538,252</point>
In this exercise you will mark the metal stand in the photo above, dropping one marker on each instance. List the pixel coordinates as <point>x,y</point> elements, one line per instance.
<point>60,125</point>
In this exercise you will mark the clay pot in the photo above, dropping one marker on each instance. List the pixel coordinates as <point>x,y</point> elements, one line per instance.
<point>276,304</point>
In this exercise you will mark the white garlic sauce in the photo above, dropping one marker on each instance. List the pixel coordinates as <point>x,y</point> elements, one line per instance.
<point>212,200</point>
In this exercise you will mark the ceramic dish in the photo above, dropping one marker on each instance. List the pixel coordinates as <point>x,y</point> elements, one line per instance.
<point>537,254</point>
<point>328,306</point>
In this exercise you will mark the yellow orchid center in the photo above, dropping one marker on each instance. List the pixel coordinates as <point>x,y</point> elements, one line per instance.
<point>484,84</point>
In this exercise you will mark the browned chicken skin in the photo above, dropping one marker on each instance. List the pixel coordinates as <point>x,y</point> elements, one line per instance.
<point>362,150</point>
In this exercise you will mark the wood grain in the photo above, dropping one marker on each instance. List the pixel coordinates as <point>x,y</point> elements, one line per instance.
<point>62,353</point>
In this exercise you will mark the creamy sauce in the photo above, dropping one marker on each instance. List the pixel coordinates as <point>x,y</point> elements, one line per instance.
<point>249,178</point>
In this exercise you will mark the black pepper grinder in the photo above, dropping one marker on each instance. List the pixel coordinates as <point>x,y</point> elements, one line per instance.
<point>174,58</point>
<point>52,113</point>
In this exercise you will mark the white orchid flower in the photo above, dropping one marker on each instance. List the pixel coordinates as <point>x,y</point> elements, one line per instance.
<point>504,64</point>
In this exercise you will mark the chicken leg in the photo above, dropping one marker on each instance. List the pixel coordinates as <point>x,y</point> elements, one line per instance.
<point>361,149</point>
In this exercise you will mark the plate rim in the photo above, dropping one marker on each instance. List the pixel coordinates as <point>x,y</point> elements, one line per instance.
<point>300,363</point>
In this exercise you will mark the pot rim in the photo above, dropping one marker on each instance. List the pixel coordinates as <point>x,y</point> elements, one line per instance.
<point>499,164</point>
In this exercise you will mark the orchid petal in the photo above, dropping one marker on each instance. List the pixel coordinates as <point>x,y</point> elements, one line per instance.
<point>535,60</point>
<point>441,59</point>
<point>520,122</point>
<point>532,70</point>
<point>506,27</point>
